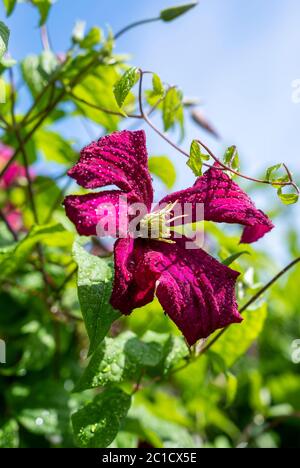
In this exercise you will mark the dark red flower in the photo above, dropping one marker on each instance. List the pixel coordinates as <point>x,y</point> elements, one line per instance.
<point>195,290</point>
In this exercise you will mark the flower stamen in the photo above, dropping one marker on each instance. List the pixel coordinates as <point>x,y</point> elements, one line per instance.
<point>156,225</point>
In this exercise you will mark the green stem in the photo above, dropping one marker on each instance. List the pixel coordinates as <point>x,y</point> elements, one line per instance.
<point>135,25</point>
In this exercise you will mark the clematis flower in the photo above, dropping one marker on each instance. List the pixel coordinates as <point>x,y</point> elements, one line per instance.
<point>14,172</point>
<point>195,290</point>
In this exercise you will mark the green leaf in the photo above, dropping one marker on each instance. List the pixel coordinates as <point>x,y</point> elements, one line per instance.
<point>4,38</point>
<point>43,407</point>
<point>159,431</point>
<point>169,14</point>
<point>47,194</point>
<point>54,147</point>
<point>271,170</point>
<point>9,435</point>
<point>231,388</point>
<point>125,84</point>
<point>97,424</point>
<point>231,158</point>
<point>92,39</point>
<point>287,198</point>
<point>164,169</point>
<point>98,90</point>
<point>228,261</point>
<point>236,341</point>
<point>94,291</point>
<point>43,7</point>
<point>174,350</point>
<point>195,161</point>
<point>9,6</point>
<point>158,87</point>
<point>6,63</point>
<point>12,258</point>
<point>119,359</point>
<point>37,70</point>
<point>172,108</point>
<point>39,348</point>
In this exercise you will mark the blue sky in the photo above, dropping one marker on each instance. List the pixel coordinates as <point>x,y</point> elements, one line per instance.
<point>239,57</point>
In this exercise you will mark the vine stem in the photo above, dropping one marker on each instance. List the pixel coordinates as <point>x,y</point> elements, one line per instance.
<point>5,123</point>
<point>45,38</point>
<point>243,176</point>
<point>251,301</point>
<point>134,25</point>
<point>150,123</point>
<point>27,174</point>
<point>223,166</point>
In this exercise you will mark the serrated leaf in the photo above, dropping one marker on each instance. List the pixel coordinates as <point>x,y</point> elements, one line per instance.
<point>163,168</point>
<point>125,84</point>
<point>97,424</point>
<point>4,38</point>
<point>95,277</point>
<point>9,434</point>
<point>236,341</point>
<point>195,161</point>
<point>169,14</point>
<point>119,359</point>
<point>9,6</point>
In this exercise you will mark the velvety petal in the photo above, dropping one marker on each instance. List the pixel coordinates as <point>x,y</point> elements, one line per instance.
<point>195,290</point>
<point>224,202</point>
<point>134,286</point>
<point>118,159</point>
<point>87,211</point>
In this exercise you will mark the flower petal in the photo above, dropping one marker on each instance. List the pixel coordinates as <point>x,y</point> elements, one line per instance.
<point>87,212</point>
<point>195,290</point>
<point>224,202</point>
<point>118,159</point>
<point>134,286</point>
<point>15,170</point>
